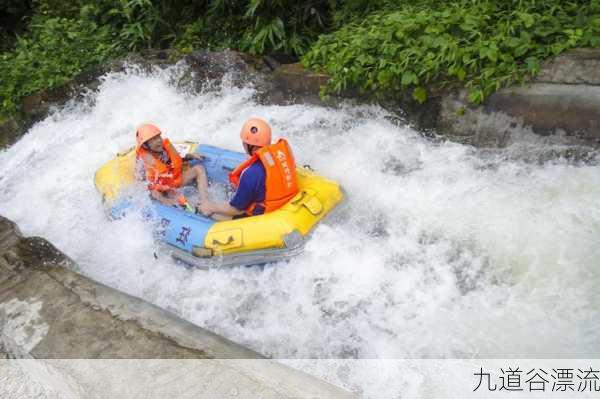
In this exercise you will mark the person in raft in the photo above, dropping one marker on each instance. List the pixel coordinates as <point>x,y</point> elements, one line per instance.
<point>264,182</point>
<point>165,170</point>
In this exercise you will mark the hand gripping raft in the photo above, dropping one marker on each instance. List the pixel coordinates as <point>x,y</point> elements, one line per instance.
<point>205,243</point>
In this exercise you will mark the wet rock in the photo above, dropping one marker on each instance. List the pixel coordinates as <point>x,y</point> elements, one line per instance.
<point>283,58</point>
<point>548,107</point>
<point>208,68</point>
<point>462,122</point>
<point>275,80</point>
<point>9,131</point>
<point>571,113</point>
<point>295,80</point>
<point>577,66</point>
<point>563,102</point>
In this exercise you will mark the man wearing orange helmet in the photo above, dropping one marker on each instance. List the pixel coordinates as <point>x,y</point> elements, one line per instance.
<point>164,168</point>
<point>264,182</point>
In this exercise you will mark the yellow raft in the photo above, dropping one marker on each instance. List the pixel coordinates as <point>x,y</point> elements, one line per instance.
<point>204,243</point>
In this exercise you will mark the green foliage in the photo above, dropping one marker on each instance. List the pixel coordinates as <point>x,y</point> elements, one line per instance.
<point>258,26</point>
<point>287,26</point>
<point>55,51</point>
<point>139,24</point>
<point>481,44</point>
<point>137,21</point>
<point>211,33</point>
<point>65,37</point>
<point>12,14</point>
<point>383,47</point>
<point>355,10</point>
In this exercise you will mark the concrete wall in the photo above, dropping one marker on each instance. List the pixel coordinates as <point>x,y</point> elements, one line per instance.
<point>562,101</point>
<point>48,311</point>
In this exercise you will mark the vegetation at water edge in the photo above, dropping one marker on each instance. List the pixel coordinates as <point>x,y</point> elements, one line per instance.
<point>381,47</point>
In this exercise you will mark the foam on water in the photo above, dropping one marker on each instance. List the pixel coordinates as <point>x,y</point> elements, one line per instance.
<point>439,251</point>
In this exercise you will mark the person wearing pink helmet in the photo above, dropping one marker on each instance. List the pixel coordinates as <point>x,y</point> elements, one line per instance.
<point>264,182</point>
<point>164,168</point>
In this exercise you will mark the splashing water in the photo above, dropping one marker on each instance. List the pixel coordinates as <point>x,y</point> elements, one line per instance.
<point>439,251</point>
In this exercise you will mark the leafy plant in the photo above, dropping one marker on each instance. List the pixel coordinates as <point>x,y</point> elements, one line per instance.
<point>259,26</point>
<point>287,26</point>
<point>481,44</point>
<point>56,50</point>
<point>12,14</point>
<point>383,47</point>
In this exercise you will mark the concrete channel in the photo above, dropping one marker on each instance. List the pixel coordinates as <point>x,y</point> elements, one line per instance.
<point>52,318</point>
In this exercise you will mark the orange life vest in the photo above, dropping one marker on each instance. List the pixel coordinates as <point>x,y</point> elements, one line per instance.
<point>280,181</point>
<point>162,176</point>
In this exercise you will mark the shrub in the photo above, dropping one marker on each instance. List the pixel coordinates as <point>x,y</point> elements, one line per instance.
<point>481,44</point>
<point>259,26</point>
<point>55,51</point>
<point>12,14</point>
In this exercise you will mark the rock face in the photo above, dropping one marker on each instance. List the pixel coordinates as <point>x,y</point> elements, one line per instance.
<point>9,132</point>
<point>563,102</point>
<point>50,312</point>
<point>578,66</point>
<point>295,81</point>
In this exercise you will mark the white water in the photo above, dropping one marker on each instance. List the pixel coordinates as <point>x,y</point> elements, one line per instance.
<point>440,250</point>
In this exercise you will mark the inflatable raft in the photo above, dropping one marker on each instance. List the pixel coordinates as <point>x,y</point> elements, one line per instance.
<point>205,243</point>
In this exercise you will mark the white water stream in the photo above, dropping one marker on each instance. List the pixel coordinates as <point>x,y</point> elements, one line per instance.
<point>440,251</point>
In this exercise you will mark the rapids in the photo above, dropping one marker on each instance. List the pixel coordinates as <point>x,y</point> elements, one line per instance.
<point>439,251</point>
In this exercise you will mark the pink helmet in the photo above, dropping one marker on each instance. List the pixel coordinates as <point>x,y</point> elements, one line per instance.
<point>144,133</point>
<point>256,132</point>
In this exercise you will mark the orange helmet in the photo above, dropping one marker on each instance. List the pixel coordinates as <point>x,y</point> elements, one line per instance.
<point>256,132</point>
<point>144,133</point>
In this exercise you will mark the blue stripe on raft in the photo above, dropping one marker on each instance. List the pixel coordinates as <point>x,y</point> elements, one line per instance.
<point>172,225</point>
<point>179,228</point>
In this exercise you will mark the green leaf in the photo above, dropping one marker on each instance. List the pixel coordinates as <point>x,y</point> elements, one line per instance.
<point>420,94</point>
<point>475,96</point>
<point>492,55</point>
<point>527,19</point>
<point>594,41</point>
<point>409,78</point>
<point>521,50</point>
<point>533,65</point>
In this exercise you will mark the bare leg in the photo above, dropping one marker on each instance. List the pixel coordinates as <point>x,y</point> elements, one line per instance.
<point>199,174</point>
<point>219,218</point>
